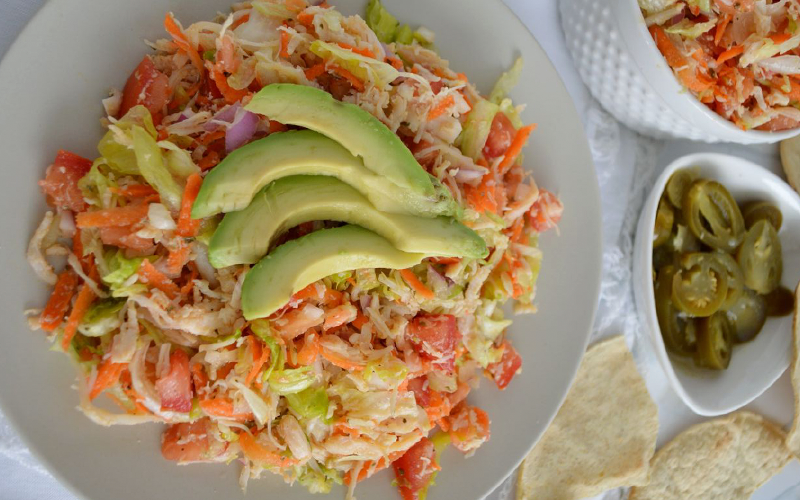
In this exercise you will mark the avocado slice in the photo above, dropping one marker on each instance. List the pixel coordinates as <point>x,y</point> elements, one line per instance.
<point>233,183</point>
<point>245,236</point>
<point>360,133</point>
<point>270,284</point>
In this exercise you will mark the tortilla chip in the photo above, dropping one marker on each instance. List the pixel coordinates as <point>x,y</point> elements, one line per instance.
<point>793,440</point>
<point>602,437</point>
<point>724,459</point>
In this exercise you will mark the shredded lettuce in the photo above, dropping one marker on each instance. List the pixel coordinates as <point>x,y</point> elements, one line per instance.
<point>389,369</point>
<point>292,380</point>
<point>152,168</point>
<point>262,330</point>
<point>102,318</point>
<point>269,8</point>
<point>766,48</point>
<point>115,144</point>
<point>506,82</point>
<point>96,182</point>
<point>257,404</point>
<point>703,5</point>
<point>367,279</point>
<point>309,403</point>
<point>477,127</point>
<point>179,161</point>
<point>404,35</point>
<point>381,21</point>
<point>339,280</point>
<point>365,68</point>
<point>120,268</point>
<point>690,29</point>
<point>319,481</point>
<point>492,328</point>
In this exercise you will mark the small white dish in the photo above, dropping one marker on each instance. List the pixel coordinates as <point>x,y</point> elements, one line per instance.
<point>756,365</point>
<point>624,70</point>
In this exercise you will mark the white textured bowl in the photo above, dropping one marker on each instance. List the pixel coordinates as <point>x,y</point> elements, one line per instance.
<point>624,70</point>
<point>756,365</point>
<point>51,99</point>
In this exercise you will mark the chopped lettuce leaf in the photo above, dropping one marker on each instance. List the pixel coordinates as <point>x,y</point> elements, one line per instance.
<point>492,328</point>
<point>389,369</point>
<point>96,182</point>
<point>339,280</point>
<point>262,330</point>
<point>115,146</point>
<point>703,5</point>
<point>271,8</point>
<point>102,318</point>
<point>508,109</point>
<point>319,481</point>
<point>364,68</point>
<point>404,35</point>
<point>690,29</point>
<point>120,268</point>
<point>477,127</point>
<point>179,161</point>
<point>309,403</point>
<point>381,21</point>
<point>293,380</point>
<point>257,404</point>
<point>506,82</point>
<point>152,168</point>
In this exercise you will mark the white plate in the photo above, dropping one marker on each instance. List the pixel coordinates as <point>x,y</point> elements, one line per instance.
<point>52,80</point>
<point>756,365</point>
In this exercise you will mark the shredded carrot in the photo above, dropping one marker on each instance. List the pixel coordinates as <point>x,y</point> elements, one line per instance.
<point>483,197</point>
<point>210,160</point>
<point>732,52</point>
<point>396,62</point>
<point>315,71</point>
<point>350,77</point>
<point>226,56</point>
<point>360,51</point>
<point>157,279</point>
<point>230,94</point>
<point>112,217</point>
<point>210,137</point>
<point>177,259</point>
<point>257,453</point>
<point>308,354</point>
<point>260,356</point>
<point>199,376</point>
<point>82,302</point>
<point>187,226</point>
<point>133,191</point>
<point>462,77</point>
<point>284,53</point>
<point>779,38</point>
<point>57,306</point>
<point>416,284</point>
<point>107,376</point>
<point>240,21</point>
<point>187,287</point>
<point>513,151</point>
<point>441,107</point>
<point>722,25</point>
<point>182,42</point>
<point>345,429</point>
<point>306,19</point>
<point>360,320</point>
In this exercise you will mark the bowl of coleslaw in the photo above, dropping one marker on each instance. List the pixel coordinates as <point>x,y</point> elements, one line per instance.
<point>707,70</point>
<point>395,371</point>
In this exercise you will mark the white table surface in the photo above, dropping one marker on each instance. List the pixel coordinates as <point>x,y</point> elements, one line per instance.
<point>22,478</point>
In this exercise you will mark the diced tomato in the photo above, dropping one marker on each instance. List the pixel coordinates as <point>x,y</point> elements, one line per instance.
<point>504,370</point>
<point>469,427</point>
<point>421,391</point>
<point>125,237</point>
<point>500,136</point>
<point>435,336</point>
<point>61,181</point>
<point>437,86</point>
<point>185,442</point>
<point>779,123</point>
<point>415,469</point>
<point>146,86</point>
<point>546,211</point>
<point>175,387</point>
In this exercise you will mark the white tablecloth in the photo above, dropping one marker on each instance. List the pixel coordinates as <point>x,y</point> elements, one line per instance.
<point>626,166</point>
